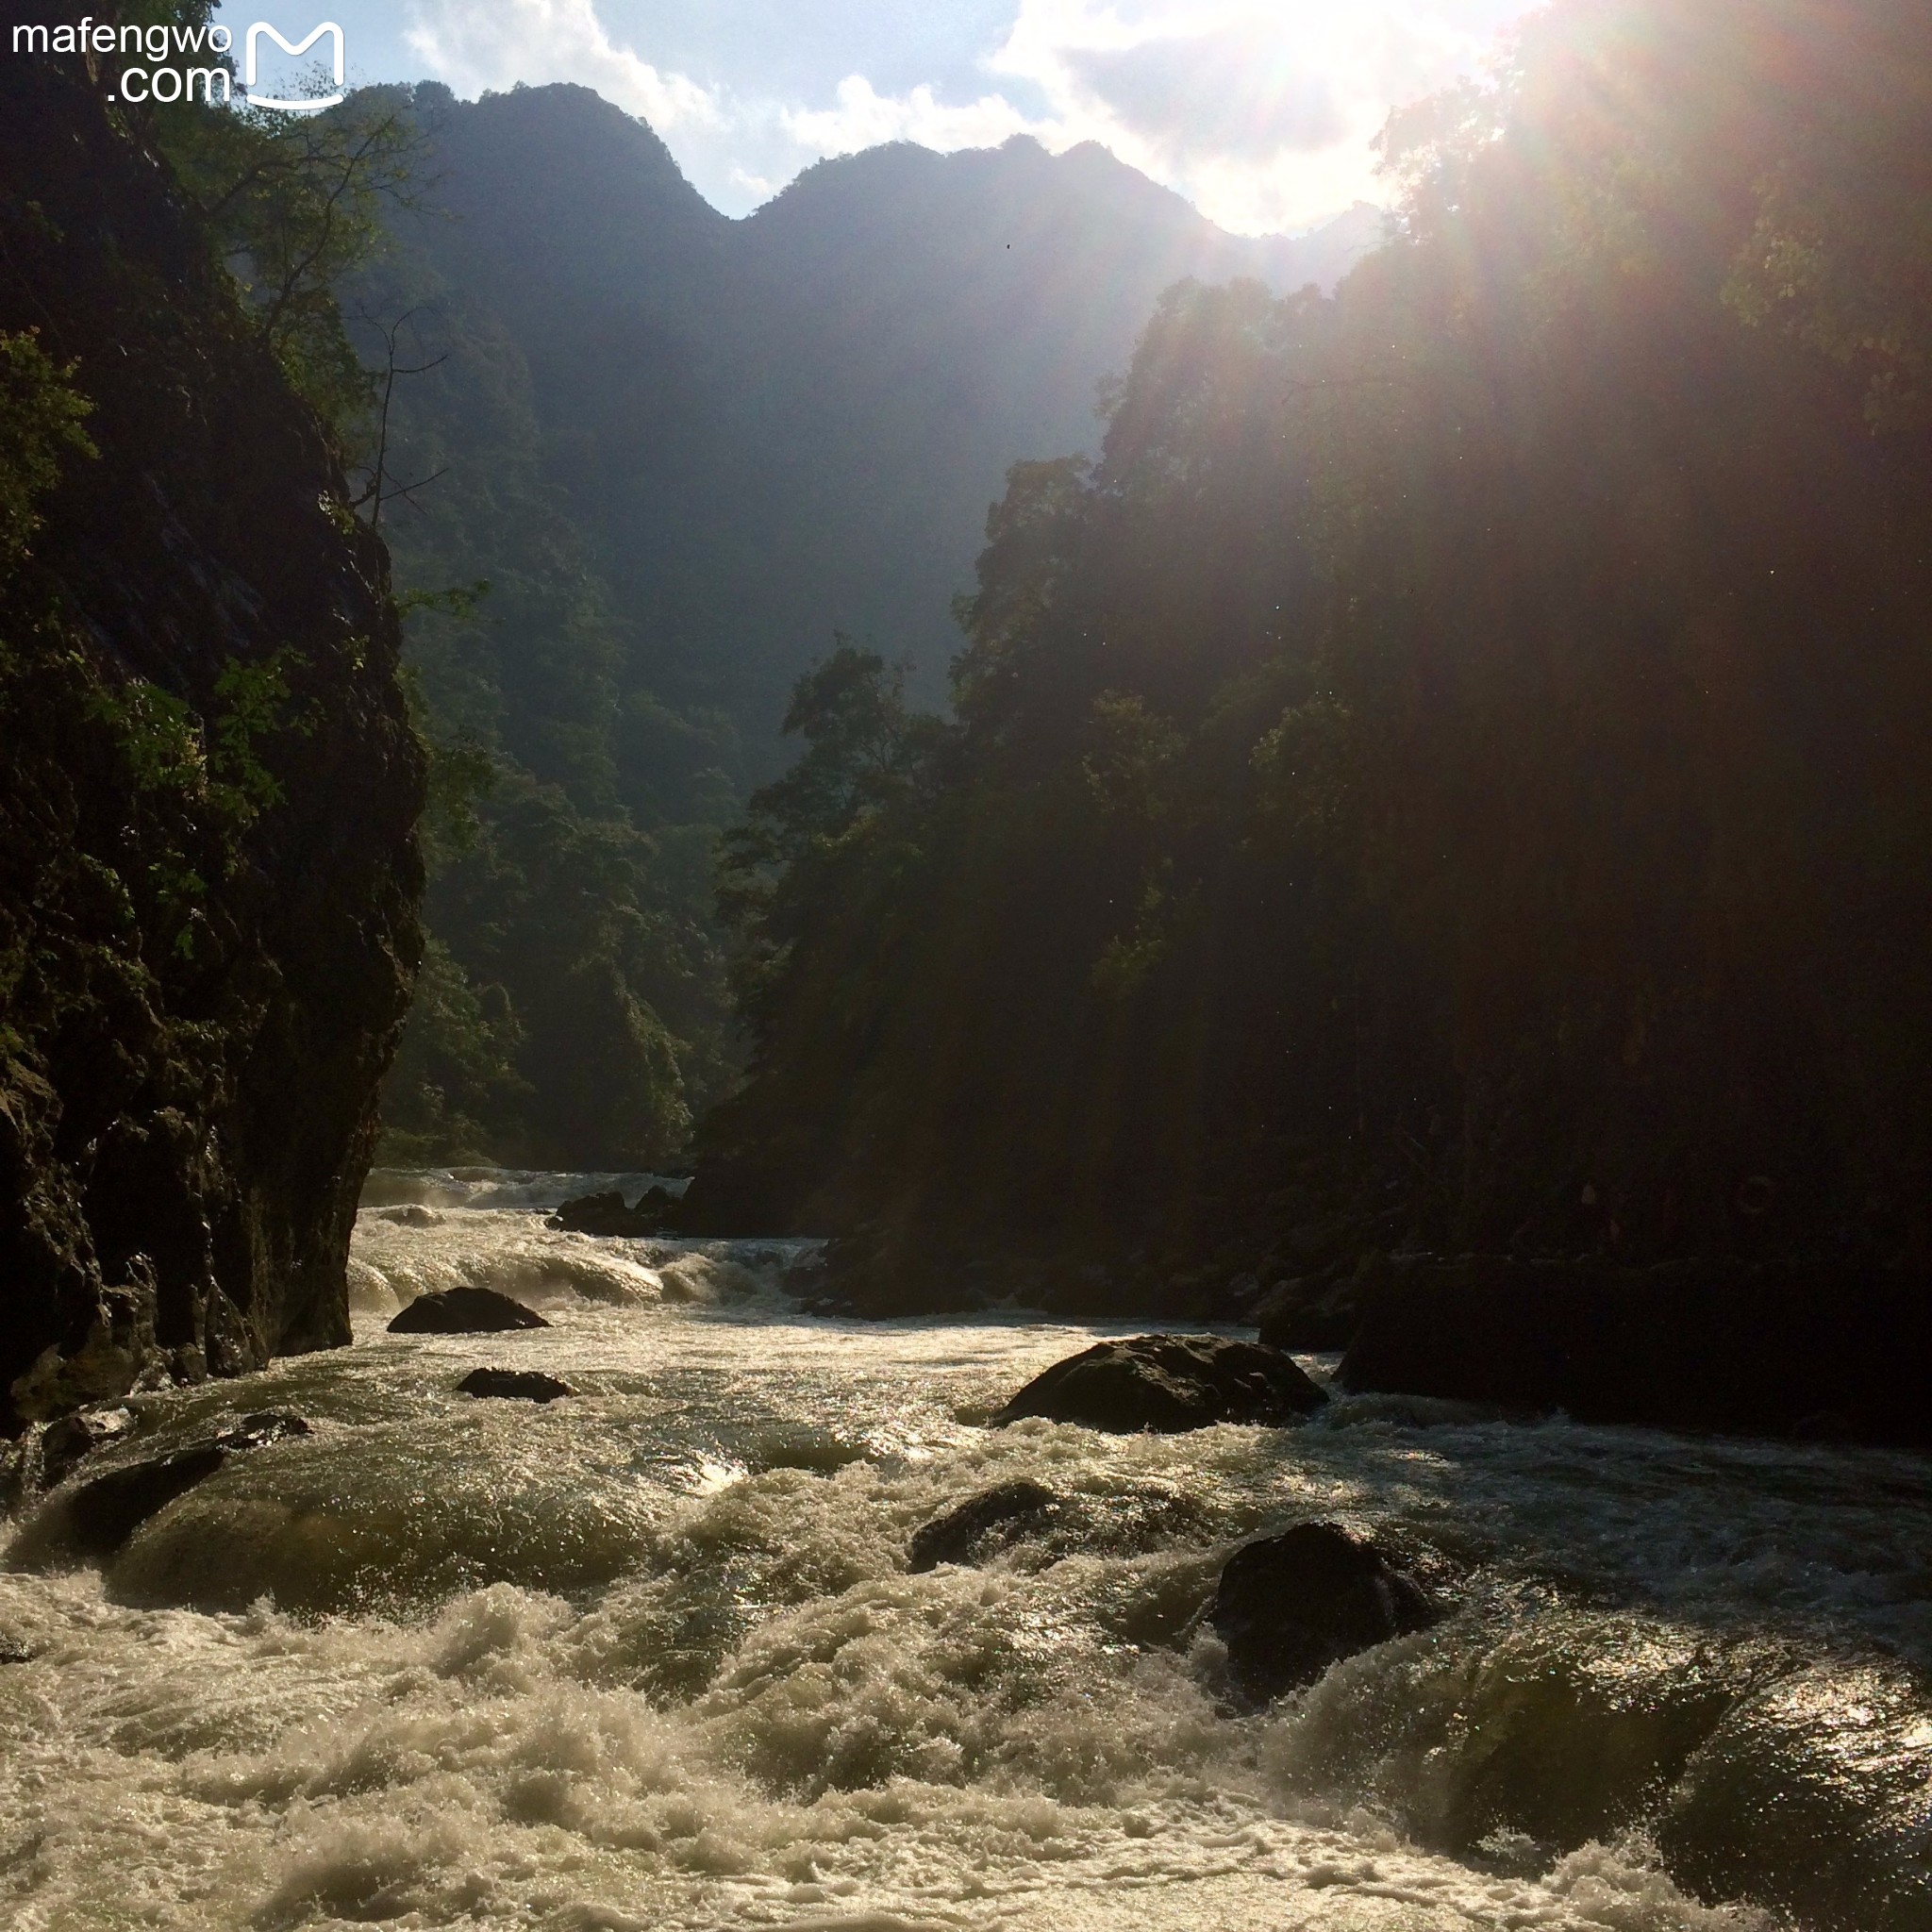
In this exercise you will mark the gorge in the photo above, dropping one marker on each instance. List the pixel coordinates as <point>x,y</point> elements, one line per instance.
<point>1218,1222</point>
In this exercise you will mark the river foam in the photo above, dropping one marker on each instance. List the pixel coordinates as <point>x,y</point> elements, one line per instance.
<point>649,1655</point>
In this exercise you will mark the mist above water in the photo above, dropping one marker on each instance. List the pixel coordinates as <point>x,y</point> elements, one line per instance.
<point>648,1656</point>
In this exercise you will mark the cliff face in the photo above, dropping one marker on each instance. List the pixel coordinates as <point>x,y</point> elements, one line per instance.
<point>209,873</point>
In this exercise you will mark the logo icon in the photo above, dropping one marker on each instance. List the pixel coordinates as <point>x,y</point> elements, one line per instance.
<point>295,49</point>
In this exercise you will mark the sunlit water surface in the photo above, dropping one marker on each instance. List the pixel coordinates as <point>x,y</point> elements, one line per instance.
<point>649,1655</point>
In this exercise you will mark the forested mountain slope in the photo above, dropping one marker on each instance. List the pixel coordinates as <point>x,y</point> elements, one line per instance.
<point>684,452</point>
<point>792,423</point>
<point>1457,772</point>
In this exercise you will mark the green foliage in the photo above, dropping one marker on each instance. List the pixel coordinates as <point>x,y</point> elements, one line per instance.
<point>158,737</point>
<point>252,703</point>
<point>867,757</point>
<point>40,419</point>
<point>1461,759</point>
<point>211,778</point>
<point>679,450</point>
<point>1840,256</point>
<point>167,747</point>
<point>586,938</point>
<point>455,1076</point>
<point>547,1044</point>
<point>571,1009</point>
<point>297,204</point>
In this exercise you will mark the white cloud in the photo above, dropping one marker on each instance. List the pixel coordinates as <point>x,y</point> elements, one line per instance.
<point>1263,112</point>
<point>1264,116</point>
<point>863,119</point>
<point>1214,95</point>
<point>472,48</point>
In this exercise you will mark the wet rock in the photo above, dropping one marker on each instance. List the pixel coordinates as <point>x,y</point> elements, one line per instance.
<point>963,1533</point>
<point>43,1459</point>
<point>101,1514</point>
<point>513,1385</point>
<point>14,1653</point>
<point>1168,1382</point>
<point>410,1216</point>
<point>264,1427</point>
<point>96,1516</point>
<point>871,1275</point>
<point>1809,1797</point>
<point>1289,1605</point>
<point>188,1080</point>
<point>605,1215</point>
<point>66,1442</point>
<point>464,1311</point>
<point>1132,1521</point>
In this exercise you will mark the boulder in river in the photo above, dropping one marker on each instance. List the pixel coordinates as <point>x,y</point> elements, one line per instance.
<point>606,1214</point>
<point>514,1385</point>
<point>409,1215</point>
<point>97,1516</point>
<point>1289,1605</point>
<point>962,1532</point>
<point>264,1427</point>
<point>1168,1383</point>
<point>67,1442</point>
<point>464,1310</point>
<point>103,1512</point>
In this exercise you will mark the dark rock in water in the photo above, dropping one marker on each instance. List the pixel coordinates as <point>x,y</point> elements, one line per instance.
<point>1128,1522</point>
<point>1168,1382</point>
<point>961,1534</point>
<point>464,1311</point>
<point>1711,1344</point>
<point>44,1458</point>
<point>96,1516</point>
<point>101,1514</point>
<point>606,1215</point>
<point>516,1385</point>
<point>265,1427</point>
<point>1289,1605</point>
<point>65,1443</point>
<point>14,1653</point>
<point>410,1216</point>
<point>196,1016</point>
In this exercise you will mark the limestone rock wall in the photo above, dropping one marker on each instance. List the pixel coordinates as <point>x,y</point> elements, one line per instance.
<point>197,995</point>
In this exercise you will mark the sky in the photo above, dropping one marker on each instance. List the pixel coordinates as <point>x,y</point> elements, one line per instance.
<point>1263,115</point>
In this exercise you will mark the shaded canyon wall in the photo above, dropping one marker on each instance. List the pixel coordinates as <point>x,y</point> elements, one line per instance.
<point>208,788</point>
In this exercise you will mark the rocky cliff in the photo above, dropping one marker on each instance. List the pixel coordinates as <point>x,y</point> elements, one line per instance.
<point>208,872</point>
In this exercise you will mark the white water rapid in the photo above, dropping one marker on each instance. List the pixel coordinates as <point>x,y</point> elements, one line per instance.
<point>649,1655</point>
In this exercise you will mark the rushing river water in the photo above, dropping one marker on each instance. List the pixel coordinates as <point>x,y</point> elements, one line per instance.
<point>649,1655</point>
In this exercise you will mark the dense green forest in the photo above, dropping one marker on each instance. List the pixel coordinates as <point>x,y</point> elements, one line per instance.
<point>1456,769</point>
<point>658,458</point>
<point>635,463</point>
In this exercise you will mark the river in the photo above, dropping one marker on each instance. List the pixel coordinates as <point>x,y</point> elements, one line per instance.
<point>649,1655</point>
